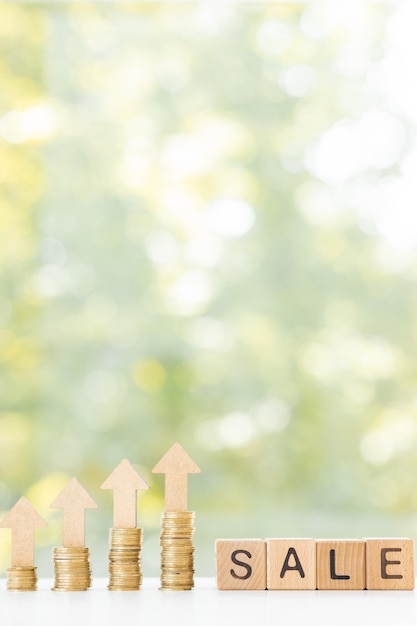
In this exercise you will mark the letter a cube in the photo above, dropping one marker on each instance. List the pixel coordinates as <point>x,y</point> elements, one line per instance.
<point>291,563</point>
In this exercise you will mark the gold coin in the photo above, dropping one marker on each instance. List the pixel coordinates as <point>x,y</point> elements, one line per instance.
<point>72,570</point>
<point>124,559</point>
<point>177,550</point>
<point>21,578</point>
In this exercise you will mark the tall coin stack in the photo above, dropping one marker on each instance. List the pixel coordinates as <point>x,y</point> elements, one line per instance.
<point>21,579</point>
<point>72,569</point>
<point>177,550</point>
<point>124,559</point>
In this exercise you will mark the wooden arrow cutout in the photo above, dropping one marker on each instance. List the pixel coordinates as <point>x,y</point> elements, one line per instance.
<point>23,519</point>
<point>125,482</point>
<point>176,465</point>
<point>73,500</point>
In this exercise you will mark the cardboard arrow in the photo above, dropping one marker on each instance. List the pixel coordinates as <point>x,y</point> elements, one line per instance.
<point>176,465</point>
<point>73,500</point>
<point>23,519</point>
<point>125,482</point>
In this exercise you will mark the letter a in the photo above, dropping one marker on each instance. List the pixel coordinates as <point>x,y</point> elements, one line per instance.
<point>297,566</point>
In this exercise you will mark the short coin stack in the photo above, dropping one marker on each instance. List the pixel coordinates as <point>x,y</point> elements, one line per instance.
<point>21,579</point>
<point>72,569</point>
<point>177,553</point>
<point>124,559</point>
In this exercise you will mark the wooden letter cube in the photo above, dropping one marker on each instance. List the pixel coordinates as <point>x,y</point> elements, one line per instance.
<point>390,563</point>
<point>291,563</point>
<point>241,564</point>
<point>340,564</point>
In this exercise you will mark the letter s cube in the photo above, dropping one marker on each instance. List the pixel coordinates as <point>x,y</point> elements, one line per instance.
<point>241,564</point>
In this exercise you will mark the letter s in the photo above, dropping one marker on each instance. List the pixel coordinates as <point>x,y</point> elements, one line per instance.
<point>241,564</point>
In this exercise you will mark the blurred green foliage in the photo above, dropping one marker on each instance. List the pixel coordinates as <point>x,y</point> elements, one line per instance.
<point>174,264</point>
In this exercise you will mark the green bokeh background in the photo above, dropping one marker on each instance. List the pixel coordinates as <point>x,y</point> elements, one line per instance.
<point>175,266</point>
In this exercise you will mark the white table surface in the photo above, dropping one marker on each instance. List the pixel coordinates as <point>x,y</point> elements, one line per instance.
<point>204,606</point>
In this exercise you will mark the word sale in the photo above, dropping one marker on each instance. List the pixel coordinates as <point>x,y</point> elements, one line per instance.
<point>325,564</point>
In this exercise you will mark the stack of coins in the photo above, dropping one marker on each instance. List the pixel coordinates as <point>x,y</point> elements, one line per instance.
<point>72,569</point>
<point>124,559</point>
<point>177,550</point>
<point>21,579</point>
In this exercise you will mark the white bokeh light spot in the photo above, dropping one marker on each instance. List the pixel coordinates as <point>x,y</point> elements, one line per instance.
<point>236,430</point>
<point>298,80</point>
<point>190,293</point>
<point>230,217</point>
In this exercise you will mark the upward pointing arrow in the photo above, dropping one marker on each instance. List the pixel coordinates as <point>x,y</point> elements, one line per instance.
<point>23,519</point>
<point>125,482</point>
<point>73,499</point>
<point>176,465</point>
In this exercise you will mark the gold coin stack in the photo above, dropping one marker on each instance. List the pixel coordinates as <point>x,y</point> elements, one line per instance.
<point>22,579</point>
<point>124,559</point>
<point>72,569</point>
<point>177,550</point>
